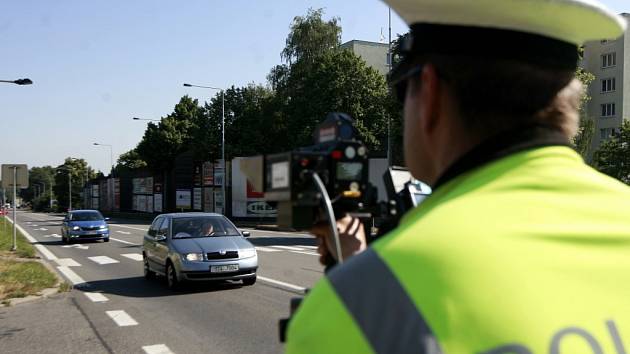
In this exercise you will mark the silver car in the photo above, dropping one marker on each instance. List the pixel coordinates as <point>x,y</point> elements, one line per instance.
<point>198,247</point>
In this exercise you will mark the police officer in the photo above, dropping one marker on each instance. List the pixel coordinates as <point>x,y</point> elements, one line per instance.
<point>522,248</point>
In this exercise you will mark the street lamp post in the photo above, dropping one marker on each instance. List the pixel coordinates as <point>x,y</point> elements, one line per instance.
<point>67,169</point>
<point>111,155</point>
<point>222,136</point>
<point>20,82</point>
<point>151,120</point>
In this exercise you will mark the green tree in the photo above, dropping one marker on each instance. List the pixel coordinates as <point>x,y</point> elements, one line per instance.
<point>613,156</point>
<point>311,36</point>
<point>43,178</point>
<point>337,81</point>
<point>173,135</point>
<point>79,172</point>
<point>320,78</point>
<point>248,122</point>
<point>582,141</point>
<point>129,161</point>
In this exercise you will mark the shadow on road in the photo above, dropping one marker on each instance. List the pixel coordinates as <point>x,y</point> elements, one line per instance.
<point>283,241</point>
<point>142,288</point>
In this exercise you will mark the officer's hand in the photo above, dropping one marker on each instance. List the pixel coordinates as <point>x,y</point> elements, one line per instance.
<point>351,237</point>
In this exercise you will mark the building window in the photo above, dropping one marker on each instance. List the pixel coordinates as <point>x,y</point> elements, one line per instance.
<point>608,110</point>
<point>608,85</point>
<point>609,60</point>
<point>606,133</point>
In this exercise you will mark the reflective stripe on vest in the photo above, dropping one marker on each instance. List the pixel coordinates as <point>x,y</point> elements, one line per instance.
<point>380,306</point>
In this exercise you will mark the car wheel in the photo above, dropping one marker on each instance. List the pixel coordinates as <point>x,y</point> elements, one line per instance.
<point>249,281</point>
<point>148,273</point>
<point>171,277</point>
<point>64,239</point>
<point>106,239</point>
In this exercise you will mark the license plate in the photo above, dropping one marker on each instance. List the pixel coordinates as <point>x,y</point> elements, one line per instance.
<point>91,233</point>
<point>224,268</point>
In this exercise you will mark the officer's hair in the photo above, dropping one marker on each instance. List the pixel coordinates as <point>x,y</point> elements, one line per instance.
<point>496,95</point>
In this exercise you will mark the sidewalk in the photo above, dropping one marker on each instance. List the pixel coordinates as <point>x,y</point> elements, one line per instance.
<point>52,325</point>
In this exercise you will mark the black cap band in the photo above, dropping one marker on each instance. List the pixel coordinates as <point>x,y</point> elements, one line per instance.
<point>491,43</point>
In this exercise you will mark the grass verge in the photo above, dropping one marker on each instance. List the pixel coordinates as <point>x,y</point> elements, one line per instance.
<point>24,248</point>
<point>20,277</point>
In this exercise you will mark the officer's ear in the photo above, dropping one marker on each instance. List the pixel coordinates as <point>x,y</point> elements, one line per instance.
<point>429,91</point>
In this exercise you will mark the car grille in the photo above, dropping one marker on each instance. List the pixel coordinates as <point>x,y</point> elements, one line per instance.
<point>227,255</point>
<point>90,228</point>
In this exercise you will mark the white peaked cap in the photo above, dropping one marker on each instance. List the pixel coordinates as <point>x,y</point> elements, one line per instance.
<point>571,21</point>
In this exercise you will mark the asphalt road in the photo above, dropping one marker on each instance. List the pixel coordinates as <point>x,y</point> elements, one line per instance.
<point>132,315</point>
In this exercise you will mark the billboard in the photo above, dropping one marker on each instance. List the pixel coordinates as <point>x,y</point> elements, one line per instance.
<point>157,203</point>
<point>182,199</point>
<point>142,185</point>
<point>247,197</point>
<point>197,198</point>
<point>208,174</point>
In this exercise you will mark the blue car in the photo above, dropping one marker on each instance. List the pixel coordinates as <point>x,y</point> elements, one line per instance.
<point>79,225</point>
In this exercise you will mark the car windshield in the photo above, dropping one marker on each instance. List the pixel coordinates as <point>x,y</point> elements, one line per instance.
<point>86,216</point>
<point>204,226</point>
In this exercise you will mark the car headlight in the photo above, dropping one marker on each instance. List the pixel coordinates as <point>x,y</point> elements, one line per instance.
<point>76,228</point>
<point>194,257</point>
<point>247,253</point>
<point>103,227</point>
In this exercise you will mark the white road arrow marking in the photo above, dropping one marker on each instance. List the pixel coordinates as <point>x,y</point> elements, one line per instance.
<point>124,232</point>
<point>81,247</point>
<point>53,235</point>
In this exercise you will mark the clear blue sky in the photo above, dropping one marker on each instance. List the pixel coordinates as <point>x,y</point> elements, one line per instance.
<point>96,64</point>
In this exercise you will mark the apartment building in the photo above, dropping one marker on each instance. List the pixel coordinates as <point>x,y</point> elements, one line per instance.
<point>374,53</point>
<point>609,61</point>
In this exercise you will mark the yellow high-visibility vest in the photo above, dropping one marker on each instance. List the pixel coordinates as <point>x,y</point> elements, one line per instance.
<point>529,253</point>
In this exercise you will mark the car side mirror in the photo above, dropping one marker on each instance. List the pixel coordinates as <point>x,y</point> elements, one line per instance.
<point>160,238</point>
<point>246,234</point>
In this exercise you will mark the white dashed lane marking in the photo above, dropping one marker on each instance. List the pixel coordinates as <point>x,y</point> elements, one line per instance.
<point>74,278</point>
<point>288,248</point>
<point>266,249</point>
<point>122,241</point>
<point>96,297</point>
<point>103,260</point>
<point>157,349</point>
<point>133,256</point>
<point>309,253</point>
<point>121,318</point>
<point>124,232</point>
<point>129,227</point>
<point>81,247</point>
<point>43,250</point>
<point>282,284</point>
<point>67,262</point>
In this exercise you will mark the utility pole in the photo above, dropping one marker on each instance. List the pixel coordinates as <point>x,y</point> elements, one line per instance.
<point>14,248</point>
<point>389,118</point>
